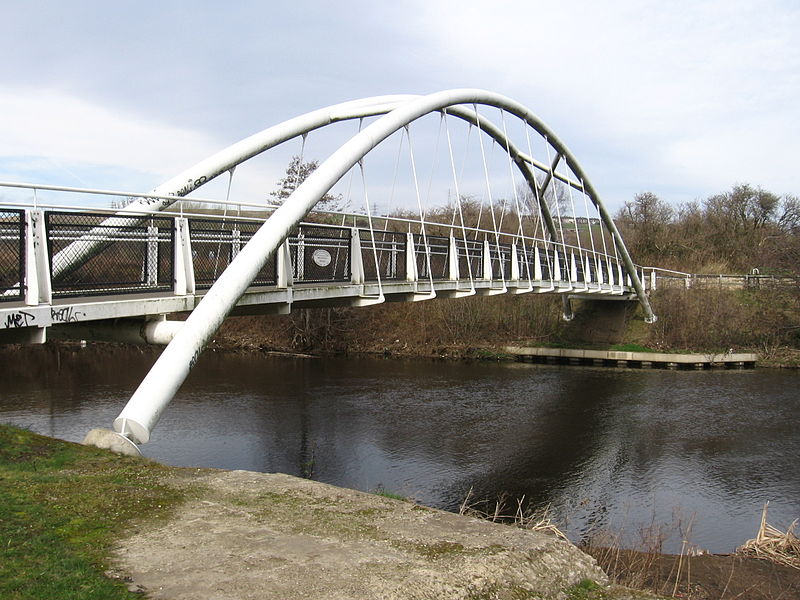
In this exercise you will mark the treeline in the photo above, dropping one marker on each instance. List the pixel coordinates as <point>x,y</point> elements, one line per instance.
<point>733,232</point>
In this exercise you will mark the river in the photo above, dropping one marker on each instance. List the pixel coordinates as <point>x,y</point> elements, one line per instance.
<point>697,452</point>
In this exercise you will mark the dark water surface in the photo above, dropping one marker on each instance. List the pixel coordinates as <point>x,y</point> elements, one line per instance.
<point>604,447</point>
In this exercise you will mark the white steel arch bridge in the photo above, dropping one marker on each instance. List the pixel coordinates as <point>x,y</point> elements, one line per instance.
<point>63,269</point>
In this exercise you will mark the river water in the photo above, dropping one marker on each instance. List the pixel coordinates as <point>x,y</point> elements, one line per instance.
<point>698,452</point>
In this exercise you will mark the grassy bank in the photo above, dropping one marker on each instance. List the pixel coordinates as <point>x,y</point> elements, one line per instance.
<point>65,509</point>
<point>61,507</point>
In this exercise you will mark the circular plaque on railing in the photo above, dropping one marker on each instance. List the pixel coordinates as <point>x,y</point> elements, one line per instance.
<point>321,257</point>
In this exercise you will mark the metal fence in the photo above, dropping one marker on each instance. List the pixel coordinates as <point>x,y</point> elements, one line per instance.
<point>438,254</point>
<point>101,253</point>
<point>91,254</point>
<point>320,254</point>
<point>389,252</point>
<point>12,254</point>
<point>470,258</point>
<point>216,243</point>
<point>500,257</point>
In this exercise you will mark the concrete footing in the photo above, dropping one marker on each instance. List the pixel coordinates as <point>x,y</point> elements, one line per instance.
<point>111,440</point>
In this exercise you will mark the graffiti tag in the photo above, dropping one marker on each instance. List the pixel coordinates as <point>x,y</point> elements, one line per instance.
<point>68,314</point>
<point>20,319</point>
<point>194,358</point>
<point>191,185</point>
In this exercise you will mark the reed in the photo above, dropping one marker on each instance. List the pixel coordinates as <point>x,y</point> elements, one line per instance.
<point>514,513</point>
<point>782,547</point>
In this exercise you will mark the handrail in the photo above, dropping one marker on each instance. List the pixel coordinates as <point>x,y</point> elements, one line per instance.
<point>477,231</point>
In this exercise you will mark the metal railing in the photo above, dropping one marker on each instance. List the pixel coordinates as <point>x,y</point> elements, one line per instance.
<point>135,255</point>
<point>94,251</point>
<point>12,254</point>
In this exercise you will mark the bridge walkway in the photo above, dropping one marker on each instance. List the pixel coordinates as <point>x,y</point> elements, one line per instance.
<point>148,266</point>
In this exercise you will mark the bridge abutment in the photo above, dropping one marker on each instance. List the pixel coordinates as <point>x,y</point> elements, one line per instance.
<point>600,321</point>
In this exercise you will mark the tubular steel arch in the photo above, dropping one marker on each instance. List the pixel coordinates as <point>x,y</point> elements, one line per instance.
<point>155,392</point>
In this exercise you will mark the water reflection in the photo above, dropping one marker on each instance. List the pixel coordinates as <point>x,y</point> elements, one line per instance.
<point>603,446</point>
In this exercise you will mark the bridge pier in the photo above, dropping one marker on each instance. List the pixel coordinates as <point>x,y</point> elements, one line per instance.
<point>567,313</point>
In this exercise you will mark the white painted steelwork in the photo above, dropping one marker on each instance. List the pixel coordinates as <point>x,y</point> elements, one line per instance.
<point>110,313</point>
<point>188,339</point>
<point>162,382</point>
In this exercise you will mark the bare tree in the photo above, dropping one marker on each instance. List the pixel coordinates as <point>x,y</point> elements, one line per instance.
<point>296,173</point>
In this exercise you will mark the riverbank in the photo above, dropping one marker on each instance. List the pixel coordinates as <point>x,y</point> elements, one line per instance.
<point>79,522</point>
<point>765,322</point>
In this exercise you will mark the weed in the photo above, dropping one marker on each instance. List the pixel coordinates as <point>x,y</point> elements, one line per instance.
<point>381,491</point>
<point>586,590</point>
<point>631,348</point>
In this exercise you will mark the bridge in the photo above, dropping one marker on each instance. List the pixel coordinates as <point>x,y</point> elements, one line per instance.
<point>72,268</point>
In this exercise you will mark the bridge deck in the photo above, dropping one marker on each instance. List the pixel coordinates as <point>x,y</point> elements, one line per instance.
<point>60,270</point>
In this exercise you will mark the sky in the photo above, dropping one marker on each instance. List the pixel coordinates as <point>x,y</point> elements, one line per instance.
<point>683,99</point>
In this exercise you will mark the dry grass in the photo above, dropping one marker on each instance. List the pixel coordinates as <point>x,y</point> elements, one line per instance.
<point>772,544</point>
<point>513,513</point>
<point>643,568</point>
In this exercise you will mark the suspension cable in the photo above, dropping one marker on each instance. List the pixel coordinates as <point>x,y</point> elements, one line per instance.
<point>520,232</point>
<point>458,202</point>
<point>555,200</point>
<point>371,231</point>
<point>222,226</point>
<point>539,199</point>
<point>491,200</point>
<point>577,231</point>
<point>589,219</point>
<point>419,206</point>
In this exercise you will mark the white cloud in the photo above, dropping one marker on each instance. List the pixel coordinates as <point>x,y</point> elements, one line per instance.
<point>695,91</point>
<point>648,95</point>
<point>50,128</point>
<point>51,137</point>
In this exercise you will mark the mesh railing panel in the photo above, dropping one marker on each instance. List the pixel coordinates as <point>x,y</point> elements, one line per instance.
<point>579,267</point>
<point>390,248</point>
<point>320,254</point>
<point>527,261</point>
<point>108,254</point>
<point>439,256</point>
<point>470,256</point>
<point>12,254</point>
<point>546,262</point>
<point>216,243</point>
<point>563,264</point>
<point>500,255</point>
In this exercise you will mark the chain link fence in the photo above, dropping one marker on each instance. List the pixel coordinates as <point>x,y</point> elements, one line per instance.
<point>93,254</point>
<point>320,254</point>
<point>216,243</point>
<point>12,255</point>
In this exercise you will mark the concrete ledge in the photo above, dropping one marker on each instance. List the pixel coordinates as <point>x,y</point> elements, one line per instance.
<point>251,535</point>
<point>633,359</point>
